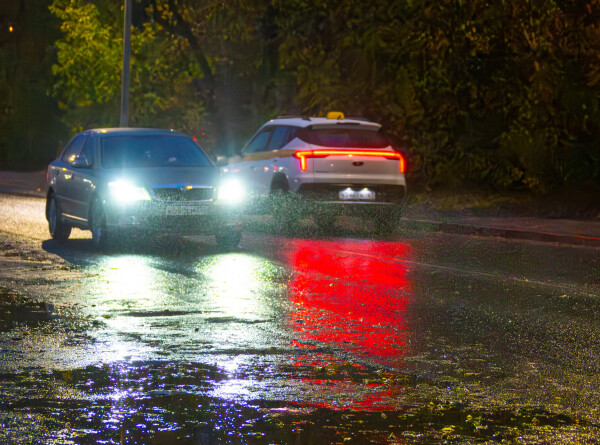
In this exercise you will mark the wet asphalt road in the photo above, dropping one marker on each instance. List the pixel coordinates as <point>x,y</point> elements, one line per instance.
<point>415,338</point>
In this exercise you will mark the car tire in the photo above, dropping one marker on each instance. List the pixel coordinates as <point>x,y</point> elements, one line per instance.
<point>228,240</point>
<point>277,195</point>
<point>59,230</point>
<point>100,235</point>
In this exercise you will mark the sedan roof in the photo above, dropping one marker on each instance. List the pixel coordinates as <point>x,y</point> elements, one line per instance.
<point>136,131</point>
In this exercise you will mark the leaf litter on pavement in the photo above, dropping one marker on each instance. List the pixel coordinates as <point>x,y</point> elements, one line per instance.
<point>445,398</point>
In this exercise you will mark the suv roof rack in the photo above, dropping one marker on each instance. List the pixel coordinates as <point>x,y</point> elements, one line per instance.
<point>363,119</point>
<point>293,116</point>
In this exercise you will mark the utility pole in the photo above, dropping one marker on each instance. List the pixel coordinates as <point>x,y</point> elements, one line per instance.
<point>126,57</point>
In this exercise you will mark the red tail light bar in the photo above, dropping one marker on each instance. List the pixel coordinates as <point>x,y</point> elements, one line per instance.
<point>304,155</point>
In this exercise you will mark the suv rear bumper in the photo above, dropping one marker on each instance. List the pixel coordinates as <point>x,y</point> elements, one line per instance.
<point>330,193</point>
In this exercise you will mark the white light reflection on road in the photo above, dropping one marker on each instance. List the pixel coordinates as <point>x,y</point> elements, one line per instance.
<point>126,285</point>
<point>244,295</point>
<point>234,281</point>
<point>129,283</point>
<point>214,309</point>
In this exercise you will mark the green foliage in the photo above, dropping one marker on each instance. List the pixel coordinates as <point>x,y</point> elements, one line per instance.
<point>494,93</point>
<point>500,94</point>
<point>88,66</point>
<point>88,71</point>
<point>162,91</point>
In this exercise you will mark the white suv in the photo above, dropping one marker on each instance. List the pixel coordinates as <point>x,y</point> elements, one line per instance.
<point>345,163</point>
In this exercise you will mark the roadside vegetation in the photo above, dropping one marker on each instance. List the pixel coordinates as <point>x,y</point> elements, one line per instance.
<point>498,96</point>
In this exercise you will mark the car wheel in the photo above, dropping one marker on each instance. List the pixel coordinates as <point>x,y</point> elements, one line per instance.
<point>277,196</point>
<point>100,236</point>
<point>58,229</point>
<point>228,240</point>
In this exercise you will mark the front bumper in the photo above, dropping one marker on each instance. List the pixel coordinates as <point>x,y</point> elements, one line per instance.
<point>173,218</point>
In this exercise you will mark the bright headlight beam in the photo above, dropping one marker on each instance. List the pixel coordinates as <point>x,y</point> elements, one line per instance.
<point>231,191</point>
<point>125,191</point>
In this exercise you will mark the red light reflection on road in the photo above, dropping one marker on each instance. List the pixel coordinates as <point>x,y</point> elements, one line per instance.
<point>351,295</point>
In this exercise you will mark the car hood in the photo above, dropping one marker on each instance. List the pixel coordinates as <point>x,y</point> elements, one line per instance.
<point>168,176</point>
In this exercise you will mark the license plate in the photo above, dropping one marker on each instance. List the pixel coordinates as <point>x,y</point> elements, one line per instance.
<point>357,195</point>
<point>186,210</point>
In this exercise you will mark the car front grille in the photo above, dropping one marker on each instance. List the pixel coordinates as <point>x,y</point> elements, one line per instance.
<point>184,194</point>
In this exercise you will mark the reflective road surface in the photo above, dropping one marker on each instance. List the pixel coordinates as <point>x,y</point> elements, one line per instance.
<point>341,338</point>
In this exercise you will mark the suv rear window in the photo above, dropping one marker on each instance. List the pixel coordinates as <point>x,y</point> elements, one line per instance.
<point>151,151</point>
<point>344,137</point>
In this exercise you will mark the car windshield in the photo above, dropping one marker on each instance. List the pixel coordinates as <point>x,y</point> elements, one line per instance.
<point>344,137</point>
<point>124,151</point>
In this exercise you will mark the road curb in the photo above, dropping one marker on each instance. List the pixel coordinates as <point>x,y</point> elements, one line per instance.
<point>20,192</point>
<point>509,233</point>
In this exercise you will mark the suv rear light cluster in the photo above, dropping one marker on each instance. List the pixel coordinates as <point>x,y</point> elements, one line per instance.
<point>304,155</point>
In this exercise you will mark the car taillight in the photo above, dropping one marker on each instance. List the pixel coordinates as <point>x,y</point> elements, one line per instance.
<point>304,155</point>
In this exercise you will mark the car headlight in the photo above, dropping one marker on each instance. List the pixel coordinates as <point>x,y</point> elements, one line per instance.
<point>231,191</point>
<point>124,191</point>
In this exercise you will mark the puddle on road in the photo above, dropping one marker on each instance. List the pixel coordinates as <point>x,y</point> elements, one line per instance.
<point>164,403</point>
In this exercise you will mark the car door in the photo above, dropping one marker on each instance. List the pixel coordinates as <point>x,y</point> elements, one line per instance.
<point>64,176</point>
<point>82,182</point>
<point>253,162</point>
<point>276,160</point>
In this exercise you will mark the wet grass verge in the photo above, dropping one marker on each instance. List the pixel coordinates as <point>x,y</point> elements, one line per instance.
<point>296,217</point>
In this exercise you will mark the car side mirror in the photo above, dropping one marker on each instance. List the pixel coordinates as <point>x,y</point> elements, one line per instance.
<point>235,159</point>
<point>80,162</point>
<point>221,161</point>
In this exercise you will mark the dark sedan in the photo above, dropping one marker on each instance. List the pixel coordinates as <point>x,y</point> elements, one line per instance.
<point>116,181</point>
